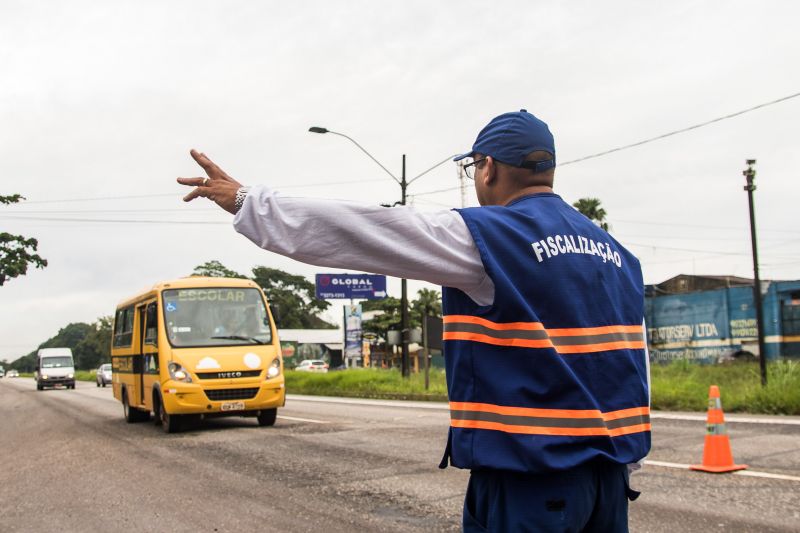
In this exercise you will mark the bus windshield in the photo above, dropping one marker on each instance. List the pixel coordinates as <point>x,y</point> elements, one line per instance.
<point>215,317</point>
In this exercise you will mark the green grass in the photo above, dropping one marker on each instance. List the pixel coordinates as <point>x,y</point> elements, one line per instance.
<point>85,375</point>
<point>679,386</point>
<point>683,386</point>
<point>368,383</point>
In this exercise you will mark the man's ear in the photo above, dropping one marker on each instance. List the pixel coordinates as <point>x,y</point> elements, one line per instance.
<point>491,171</point>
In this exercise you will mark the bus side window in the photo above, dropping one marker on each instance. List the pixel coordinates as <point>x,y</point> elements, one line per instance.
<point>151,324</point>
<point>123,327</point>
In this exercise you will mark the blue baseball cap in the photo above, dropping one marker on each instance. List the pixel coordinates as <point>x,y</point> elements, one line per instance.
<point>510,137</point>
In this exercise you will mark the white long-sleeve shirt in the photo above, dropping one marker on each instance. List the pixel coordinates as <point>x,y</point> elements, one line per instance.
<point>398,241</point>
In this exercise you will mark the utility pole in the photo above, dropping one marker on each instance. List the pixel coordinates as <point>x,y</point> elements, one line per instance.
<point>750,174</point>
<point>462,182</point>
<point>404,292</point>
<point>425,350</point>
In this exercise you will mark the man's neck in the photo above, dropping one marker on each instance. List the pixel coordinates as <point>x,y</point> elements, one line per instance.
<point>526,191</point>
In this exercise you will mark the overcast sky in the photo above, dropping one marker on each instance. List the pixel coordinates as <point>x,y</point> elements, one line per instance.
<point>101,101</point>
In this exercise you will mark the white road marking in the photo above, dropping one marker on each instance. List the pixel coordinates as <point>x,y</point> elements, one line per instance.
<point>444,406</point>
<point>296,419</point>
<point>750,473</point>
<point>767,475</point>
<point>729,418</point>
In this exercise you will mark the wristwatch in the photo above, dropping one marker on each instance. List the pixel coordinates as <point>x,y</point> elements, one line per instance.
<point>241,194</point>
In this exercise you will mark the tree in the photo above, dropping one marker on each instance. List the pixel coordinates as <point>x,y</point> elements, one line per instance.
<point>215,269</point>
<point>95,347</point>
<point>590,208</point>
<point>292,299</point>
<point>428,300</point>
<point>17,251</point>
<point>90,345</point>
<point>381,323</point>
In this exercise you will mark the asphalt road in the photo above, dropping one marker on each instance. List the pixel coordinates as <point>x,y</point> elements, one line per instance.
<point>71,463</point>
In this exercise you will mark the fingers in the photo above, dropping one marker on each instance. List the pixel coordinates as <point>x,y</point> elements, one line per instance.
<point>192,182</point>
<point>211,168</point>
<point>196,193</point>
<point>202,160</point>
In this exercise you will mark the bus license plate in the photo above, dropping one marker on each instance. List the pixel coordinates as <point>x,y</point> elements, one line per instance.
<point>233,406</point>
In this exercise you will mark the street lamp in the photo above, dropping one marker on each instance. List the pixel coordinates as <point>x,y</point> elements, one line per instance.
<point>404,326</point>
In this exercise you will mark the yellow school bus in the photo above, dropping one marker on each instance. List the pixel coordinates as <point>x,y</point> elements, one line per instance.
<point>197,347</point>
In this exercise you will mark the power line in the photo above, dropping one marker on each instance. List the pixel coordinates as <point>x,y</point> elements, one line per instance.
<point>683,130</point>
<point>703,226</point>
<point>97,198</point>
<point>436,191</point>
<point>82,211</point>
<point>715,252</point>
<point>180,194</point>
<point>120,220</point>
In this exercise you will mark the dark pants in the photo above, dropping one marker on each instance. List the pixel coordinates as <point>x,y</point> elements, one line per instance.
<point>588,498</point>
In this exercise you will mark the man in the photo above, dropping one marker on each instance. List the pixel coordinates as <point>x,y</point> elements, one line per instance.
<point>547,372</point>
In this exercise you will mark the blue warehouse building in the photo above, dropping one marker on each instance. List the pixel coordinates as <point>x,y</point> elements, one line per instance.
<point>713,318</point>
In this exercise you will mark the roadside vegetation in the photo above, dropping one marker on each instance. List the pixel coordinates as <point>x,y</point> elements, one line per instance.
<point>683,386</point>
<point>368,383</point>
<point>679,386</point>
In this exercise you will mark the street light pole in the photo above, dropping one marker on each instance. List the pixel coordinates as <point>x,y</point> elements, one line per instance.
<point>750,174</point>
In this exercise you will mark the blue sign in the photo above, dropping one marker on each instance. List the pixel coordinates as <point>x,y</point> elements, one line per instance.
<point>350,286</point>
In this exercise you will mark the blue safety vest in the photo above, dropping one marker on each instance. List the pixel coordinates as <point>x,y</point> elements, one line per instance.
<point>553,374</point>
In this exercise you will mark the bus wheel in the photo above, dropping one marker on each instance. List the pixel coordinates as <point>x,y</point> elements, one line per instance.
<point>169,423</point>
<point>132,414</point>
<point>267,417</point>
<point>130,417</point>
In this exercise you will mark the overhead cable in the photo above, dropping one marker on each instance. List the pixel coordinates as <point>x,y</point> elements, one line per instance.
<point>676,132</point>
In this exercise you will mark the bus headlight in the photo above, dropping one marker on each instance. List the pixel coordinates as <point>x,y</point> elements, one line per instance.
<point>177,373</point>
<point>44,376</point>
<point>70,376</point>
<point>274,369</point>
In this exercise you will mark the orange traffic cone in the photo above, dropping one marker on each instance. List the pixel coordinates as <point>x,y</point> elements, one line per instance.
<point>717,456</point>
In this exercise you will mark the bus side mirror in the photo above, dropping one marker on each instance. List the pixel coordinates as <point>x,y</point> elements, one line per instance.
<point>275,309</point>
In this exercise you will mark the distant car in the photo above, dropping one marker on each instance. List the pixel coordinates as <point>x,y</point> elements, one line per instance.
<point>103,375</point>
<point>2,372</point>
<point>12,374</point>
<point>312,365</point>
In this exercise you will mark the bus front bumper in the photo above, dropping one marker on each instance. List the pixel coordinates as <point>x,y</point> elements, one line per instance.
<point>192,398</point>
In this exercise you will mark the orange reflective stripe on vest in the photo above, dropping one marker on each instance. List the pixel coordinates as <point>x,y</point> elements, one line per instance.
<point>534,335</point>
<point>565,422</point>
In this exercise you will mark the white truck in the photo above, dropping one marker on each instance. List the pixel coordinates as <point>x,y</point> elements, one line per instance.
<point>54,366</point>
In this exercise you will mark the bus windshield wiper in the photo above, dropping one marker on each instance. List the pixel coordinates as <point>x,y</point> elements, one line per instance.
<point>238,338</point>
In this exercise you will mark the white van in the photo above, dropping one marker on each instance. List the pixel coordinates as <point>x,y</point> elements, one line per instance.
<point>54,366</point>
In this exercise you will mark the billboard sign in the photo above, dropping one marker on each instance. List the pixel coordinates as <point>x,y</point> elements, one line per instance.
<point>350,286</point>
<point>352,331</point>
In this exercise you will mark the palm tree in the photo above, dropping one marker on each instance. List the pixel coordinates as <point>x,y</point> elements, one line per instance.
<point>590,208</point>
